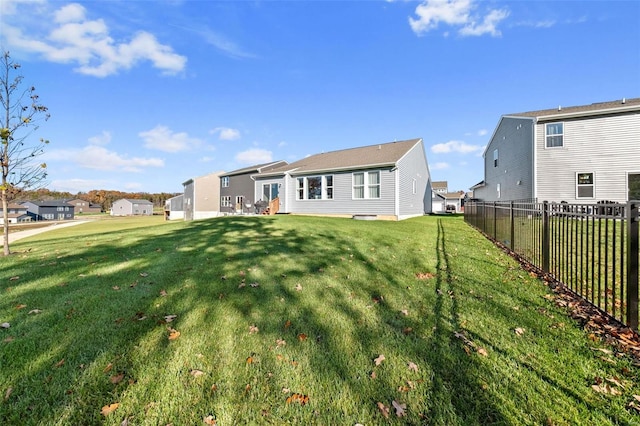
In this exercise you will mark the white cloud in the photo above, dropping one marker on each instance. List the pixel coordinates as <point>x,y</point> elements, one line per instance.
<point>456,13</point>
<point>226,133</point>
<point>482,132</point>
<point>439,166</point>
<point>455,146</point>
<point>164,139</point>
<point>282,144</point>
<point>254,156</point>
<point>72,38</point>
<point>100,158</point>
<point>102,139</point>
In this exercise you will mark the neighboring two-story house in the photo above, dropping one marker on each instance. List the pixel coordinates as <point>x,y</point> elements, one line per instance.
<point>81,206</point>
<point>581,154</point>
<point>17,213</point>
<point>49,210</point>
<point>384,181</point>
<point>237,193</point>
<point>132,207</point>
<point>202,197</point>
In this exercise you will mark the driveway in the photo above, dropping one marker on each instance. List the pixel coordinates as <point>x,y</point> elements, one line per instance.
<point>15,236</point>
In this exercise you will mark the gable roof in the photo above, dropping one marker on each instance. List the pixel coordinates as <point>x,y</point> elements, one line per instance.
<point>598,108</point>
<point>256,168</point>
<point>439,184</point>
<point>136,200</point>
<point>50,203</point>
<point>379,155</point>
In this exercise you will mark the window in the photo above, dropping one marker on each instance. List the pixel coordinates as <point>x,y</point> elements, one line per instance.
<point>225,201</point>
<point>366,185</point>
<point>225,181</point>
<point>269,191</point>
<point>634,186</point>
<point>585,187</point>
<point>495,158</point>
<point>414,187</point>
<point>498,190</point>
<point>314,188</point>
<point>60,209</point>
<point>239,201</point>
<point>554,133</point>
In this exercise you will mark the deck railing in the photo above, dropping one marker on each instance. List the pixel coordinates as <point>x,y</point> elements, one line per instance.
<point>590,248</point>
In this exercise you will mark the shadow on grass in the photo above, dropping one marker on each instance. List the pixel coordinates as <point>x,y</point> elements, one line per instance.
<point>335,298</point>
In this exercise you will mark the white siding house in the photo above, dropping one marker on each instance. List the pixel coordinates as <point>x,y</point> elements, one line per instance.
<point>385,181</point>
<point>581,154</point>
<point>132,207</point>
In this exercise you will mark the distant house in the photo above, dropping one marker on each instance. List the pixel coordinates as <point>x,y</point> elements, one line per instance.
<point>439,189</point>
<point>49,210</point>
<point>81,206</point>
<point>454,201</point>
<point>17,214</point>
<point>173,208</point>
<point>202,197</point>
<point>579,154</point>
<point>132,207</point>
<point>440,186</point>
<point>237,188</point>
<point>384,181</point>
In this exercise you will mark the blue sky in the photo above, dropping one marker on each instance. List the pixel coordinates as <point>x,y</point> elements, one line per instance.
<point>144,95</point>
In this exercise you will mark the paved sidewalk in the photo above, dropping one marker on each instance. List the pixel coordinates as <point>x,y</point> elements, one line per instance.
<point>15,236</point>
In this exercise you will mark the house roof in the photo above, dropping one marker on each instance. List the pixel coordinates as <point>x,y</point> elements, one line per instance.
<point>256,168</point>
<point>608,107</point>
<point>136,200</point>
<point>50,203</point>
<point>386,154</point>
<point>439,184</point>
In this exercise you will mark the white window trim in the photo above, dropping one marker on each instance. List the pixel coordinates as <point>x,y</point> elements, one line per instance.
<point>366,185</point>
<point>546,145</point>
<point>305,188</point>
<point>224,182</point>
<point>593,185</point>
<point>225,201</point>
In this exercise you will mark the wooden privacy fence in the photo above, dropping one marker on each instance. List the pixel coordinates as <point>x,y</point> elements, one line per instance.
<point>591,249</point>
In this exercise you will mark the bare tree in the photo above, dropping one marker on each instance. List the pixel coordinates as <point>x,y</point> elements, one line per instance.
<point>18,155</point>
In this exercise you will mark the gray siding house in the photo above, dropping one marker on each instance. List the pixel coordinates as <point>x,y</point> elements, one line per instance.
<point>202,197</point>
<point>16,213</point>
<point>173,208</point>
<point>580,154</point>
<point>385,181</point>
<point>49,210</point>
<point>132,207</point>
<point>237,188</point>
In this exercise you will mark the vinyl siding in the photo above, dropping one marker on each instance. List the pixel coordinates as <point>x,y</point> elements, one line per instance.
<point>343,202</point>
<point>413,167</point>
<point>608,146</point>
<point>207,196</point>
<point>281,191</point>
<point>239,185</point>
<point>188,200</point>
<point>513,139</point>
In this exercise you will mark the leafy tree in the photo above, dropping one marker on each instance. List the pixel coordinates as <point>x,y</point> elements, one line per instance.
<point>18,155</point>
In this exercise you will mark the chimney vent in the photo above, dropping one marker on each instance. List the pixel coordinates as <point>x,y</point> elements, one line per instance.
<point>559,107</point>
<point>624,100</point>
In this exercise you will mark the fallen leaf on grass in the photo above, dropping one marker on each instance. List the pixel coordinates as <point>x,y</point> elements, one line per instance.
<point>169,318</point>
<point>107,368</point>
<point>8,339</point>
<point>144,274</point>
<point>14,278</point>
<point>286,390</point>
<point>404,312</point>
<point>519,331</point>
<point>606,389</point>
<point>400,408</point>
<point>7,394</point>
<point>173,334</point>
<point>108,409</point>
<point>379,360</point>
<point>117,378</point>
<point>287,324</point>
<point>209,420</point>
<point>280,342</point>
<point>424,275</point>
<point>5,325</point>
<point>483,352</point>
<point>298,287</point>
<point>163,293</point>
<point>59,363</point>
<point>299,398</point>
<point>302,337</point>
<point>384,410</point>
<point>115,287</point>
<point>254,285</point>
<point>196,373</point>
<point>412,366</point>
<point>250,360</point>
<point>214,387</point>
<point>21,306</point>
<point>253,329</point>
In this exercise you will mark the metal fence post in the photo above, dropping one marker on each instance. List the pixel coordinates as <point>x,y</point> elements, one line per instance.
<point>633,217</point>
<point>546,243</point>
<point>512,224</point>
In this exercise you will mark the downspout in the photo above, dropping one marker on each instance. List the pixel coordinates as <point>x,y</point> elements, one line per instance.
<point>397,194</point>
<point>534,166</point>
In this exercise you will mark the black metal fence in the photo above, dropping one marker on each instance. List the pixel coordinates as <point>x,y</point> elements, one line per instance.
<point>592,249</point>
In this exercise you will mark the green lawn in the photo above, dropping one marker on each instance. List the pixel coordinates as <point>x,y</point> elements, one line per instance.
<point>283,320</point>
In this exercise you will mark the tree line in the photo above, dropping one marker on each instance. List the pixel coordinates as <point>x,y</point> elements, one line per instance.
<point>103,197</point>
